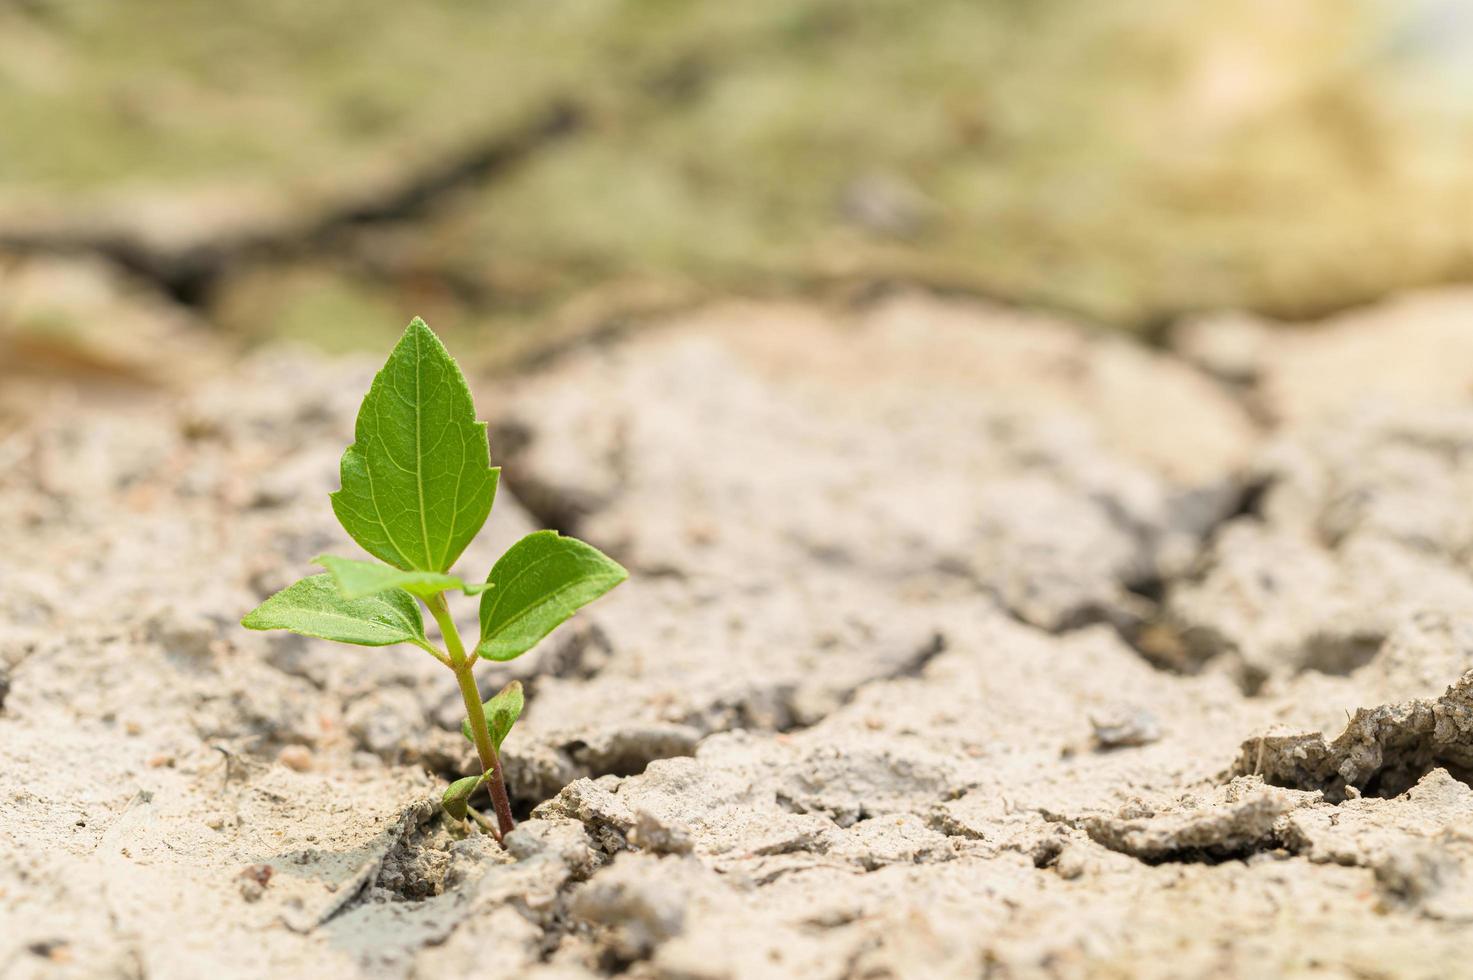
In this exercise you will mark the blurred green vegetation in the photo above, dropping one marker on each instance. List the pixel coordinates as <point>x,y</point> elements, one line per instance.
<point>1125,161</point>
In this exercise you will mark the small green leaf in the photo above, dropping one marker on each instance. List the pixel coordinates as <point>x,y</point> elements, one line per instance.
<point>417,481</point>
<point>314,607</point>
<point>540,581</point>
<point>356,579</point>
<point>457,795</point>
<point>502,712</point>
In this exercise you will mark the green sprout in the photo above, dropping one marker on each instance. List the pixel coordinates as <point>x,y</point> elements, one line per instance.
<point>417,486</point>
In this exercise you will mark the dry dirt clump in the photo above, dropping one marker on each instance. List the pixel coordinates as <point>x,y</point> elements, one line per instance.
<point>885,696</point>
<point>1360,523</point>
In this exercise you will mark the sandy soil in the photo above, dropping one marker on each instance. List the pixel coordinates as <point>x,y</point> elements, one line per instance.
<point>959,643</point>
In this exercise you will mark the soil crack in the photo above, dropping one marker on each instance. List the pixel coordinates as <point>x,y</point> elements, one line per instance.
<point>1384,751</point>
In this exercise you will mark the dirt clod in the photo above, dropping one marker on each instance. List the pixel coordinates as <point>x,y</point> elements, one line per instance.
<point>297,757</point>
<point>253,881</point>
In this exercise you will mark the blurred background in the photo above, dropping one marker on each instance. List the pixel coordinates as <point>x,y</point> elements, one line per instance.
<point>182,180</point>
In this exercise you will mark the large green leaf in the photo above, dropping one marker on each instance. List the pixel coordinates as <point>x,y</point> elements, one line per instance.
<point>417,481</point>
<point>315,607</point>
<point>356,579</point>
<point>502,712</point>
<point>540,581</point>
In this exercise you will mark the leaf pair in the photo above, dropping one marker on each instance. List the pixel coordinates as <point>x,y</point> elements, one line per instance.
<point>541,581</point>
<point>417,486</point>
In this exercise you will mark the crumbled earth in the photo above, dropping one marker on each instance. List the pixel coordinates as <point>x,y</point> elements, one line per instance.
<point>959,641</point>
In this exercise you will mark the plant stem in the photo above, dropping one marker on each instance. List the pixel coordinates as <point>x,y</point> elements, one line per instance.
<point>481,733</point>
<point>483,823</point>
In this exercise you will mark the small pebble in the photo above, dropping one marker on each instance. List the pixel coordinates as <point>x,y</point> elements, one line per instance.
<point>57,951</point>
<point>295,757</point>
<point>253,881</point>
<point>1071,863</point>
<point>1126,728</point>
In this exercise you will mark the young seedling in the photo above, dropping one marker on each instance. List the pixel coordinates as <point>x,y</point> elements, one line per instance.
<point>417,487</point>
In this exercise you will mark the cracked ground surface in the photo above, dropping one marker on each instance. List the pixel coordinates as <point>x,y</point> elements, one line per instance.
<point>959,642</point>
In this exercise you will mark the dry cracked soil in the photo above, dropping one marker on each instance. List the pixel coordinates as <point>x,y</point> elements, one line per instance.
<point>960,642</point>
